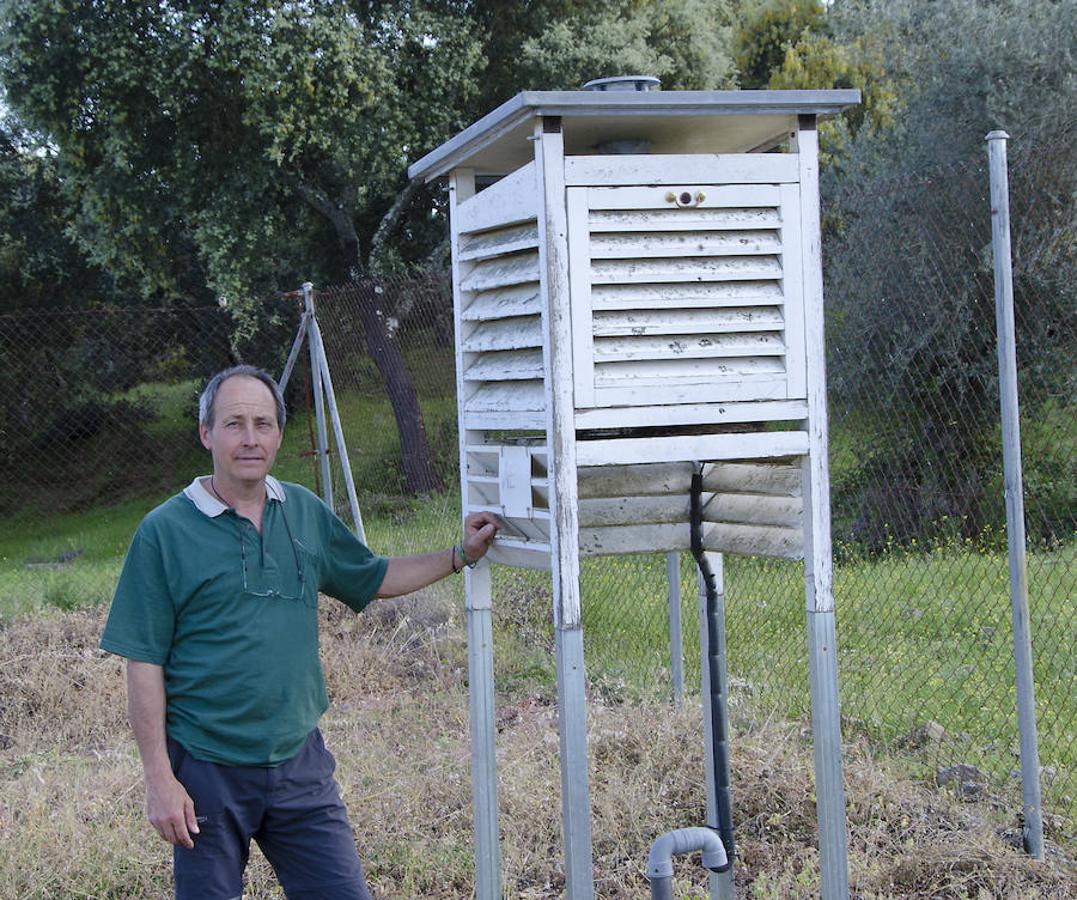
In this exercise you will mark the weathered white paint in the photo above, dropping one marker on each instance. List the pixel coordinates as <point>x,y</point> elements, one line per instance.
<point>583,350</point>
<point>683,219</point>
<point>747,509</point>
<point>518,300</point>
<point>514,481</point>
<point>729,373</point>
<point>644,244</point>
<point>503,271</point>
<point>716,196</point>
<point>520,556</point>
<point>502,418</point>
<point>691,447</point>
<point>647,322</point>
<point>505,334</point>
<point>509,365</point>
<point>713,268</point>
<point>691,414</point>
<point>687,296</point>
<point>750,540</point>
<point>733,386</point>
<point>500,397</point>
<point>488,244</point>
<point>793,289</point>
<point>689,346</point>
<point>668,169</point>
<point>818,568</point>
<point>510,200</point>
<point>674,478</point>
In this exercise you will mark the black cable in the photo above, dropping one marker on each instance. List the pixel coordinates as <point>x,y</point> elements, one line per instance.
<point>719,738</point>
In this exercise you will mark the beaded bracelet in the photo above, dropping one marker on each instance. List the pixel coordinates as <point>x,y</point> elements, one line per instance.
<point>470,563</point>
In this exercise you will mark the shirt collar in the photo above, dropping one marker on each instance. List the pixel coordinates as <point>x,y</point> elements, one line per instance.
<point>210,506</point>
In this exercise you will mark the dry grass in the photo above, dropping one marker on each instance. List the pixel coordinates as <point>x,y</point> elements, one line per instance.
<point>70,786</point>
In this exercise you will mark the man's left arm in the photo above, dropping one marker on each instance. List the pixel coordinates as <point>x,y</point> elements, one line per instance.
<point>405,574</point>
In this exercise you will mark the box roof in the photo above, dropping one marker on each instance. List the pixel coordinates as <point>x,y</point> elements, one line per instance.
<point>670,121</point>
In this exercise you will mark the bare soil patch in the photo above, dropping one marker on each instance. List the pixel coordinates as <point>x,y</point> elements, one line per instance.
<point>71,821</point>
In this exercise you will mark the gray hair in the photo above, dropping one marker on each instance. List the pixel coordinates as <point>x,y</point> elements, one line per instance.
<point>209,395</point>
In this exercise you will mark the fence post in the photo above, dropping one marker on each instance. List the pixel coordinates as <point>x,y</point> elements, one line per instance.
<point>1015,504</point>
<point>322,450</point>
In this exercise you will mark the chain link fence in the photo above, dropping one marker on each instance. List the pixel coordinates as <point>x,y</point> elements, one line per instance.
<point>98,423</point>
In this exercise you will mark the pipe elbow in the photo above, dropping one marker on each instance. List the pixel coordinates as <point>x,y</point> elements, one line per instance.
<point>681,841</point>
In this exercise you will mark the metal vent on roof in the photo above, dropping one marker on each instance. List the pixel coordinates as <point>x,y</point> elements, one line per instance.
<point>624,83</point>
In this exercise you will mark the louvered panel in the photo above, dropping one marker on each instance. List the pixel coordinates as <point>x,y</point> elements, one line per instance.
<point>729,219</point>
<point>643,244</point>
<point>744,509</point>
<point>684,296</point>
<point>506,396</point>
<point>680,286</point>
<point>503,303</point>
<point>715,268</point>
<point>700,346</point>
<point>655,373</point>
<point>687,321</point>
<point>487,244</point>
<point>508,365</point>
<point>502,271</point>
<point>505,334</point>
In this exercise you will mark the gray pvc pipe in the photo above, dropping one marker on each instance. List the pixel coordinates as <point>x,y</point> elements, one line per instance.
<point>676,843</point>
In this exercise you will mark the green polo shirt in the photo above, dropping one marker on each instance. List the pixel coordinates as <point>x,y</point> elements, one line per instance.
<point>231,616</point>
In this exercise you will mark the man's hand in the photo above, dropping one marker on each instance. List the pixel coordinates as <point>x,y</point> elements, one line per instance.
<point>168,805</point>
<point>480,529</point>
<point>171,811</point>
<point>405,574</point>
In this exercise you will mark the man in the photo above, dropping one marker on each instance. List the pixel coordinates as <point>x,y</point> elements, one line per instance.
<point>216,613</point>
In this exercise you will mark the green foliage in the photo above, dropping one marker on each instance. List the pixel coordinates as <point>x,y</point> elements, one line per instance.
<point>791,45</point>
<point>684,43</point>
<point>910,292</point>
<point>766,33</point>
<point>40,263</point>
<point>256,131</point>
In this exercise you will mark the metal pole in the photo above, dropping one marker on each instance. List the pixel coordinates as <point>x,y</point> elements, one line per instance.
<point>293,354</point>
<point>721,883</point>
<point>322,449</point>
<point>826,741</point>
<point>338,429</point>
<point>1015,505</point>
<point>676,645</point>
<point>818,556</point>
<point>480,664</point>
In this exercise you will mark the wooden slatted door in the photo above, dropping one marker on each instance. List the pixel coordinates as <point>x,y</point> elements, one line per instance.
<point>686,291</point>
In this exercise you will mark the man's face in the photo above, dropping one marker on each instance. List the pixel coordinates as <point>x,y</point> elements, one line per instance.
<point>245,435</point>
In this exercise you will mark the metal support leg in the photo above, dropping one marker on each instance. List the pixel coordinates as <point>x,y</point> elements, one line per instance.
<point>480,666</point>
<point>575,786</point>
<point>338,429</point>
<point>826,732</point>
<point>321,430</point>
<point>676,642</point>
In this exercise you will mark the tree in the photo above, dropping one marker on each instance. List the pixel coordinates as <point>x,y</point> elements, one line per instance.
<point>267,140</point>
<point>792,45</point>
<point>40,264</point>
<point>685,43</point>
<point>910,315</point>
<point>266,133</point>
